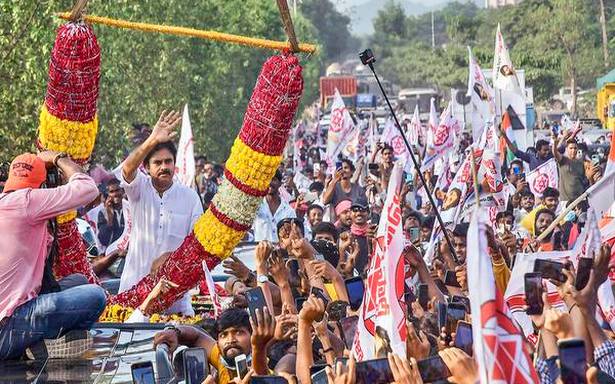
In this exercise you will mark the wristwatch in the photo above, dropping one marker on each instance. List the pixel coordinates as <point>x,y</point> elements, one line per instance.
<point>59,156</point>
<point>262,278</point>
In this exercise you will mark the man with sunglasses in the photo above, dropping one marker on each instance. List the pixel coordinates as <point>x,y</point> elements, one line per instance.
<point>360,229</point>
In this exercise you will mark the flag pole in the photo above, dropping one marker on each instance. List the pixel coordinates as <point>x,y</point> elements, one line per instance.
<point>475,177</point>
<point>367,58</point>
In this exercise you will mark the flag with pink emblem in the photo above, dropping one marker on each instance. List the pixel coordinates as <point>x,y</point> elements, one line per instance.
<point>382,323</point>
<point>542,177</point>
<point>340,130</point>
<point>441,139</point>
<point>498,343</point>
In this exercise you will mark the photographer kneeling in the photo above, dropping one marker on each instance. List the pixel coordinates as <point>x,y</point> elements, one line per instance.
<point>27,315</point>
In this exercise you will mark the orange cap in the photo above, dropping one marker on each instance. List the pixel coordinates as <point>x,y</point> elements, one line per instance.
<point>26,171</point>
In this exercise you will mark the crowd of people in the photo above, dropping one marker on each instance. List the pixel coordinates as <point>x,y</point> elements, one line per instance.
<point>314,233</point>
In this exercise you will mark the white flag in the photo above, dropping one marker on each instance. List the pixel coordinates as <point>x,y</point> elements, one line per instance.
<point>441,139</point>
<point>415,133</point>
<point>504,74</point>
<point>340,130</point>
<point>542,177</point>
<point>498,344</point>
<point>602,194</point>
<point>211,287</point>
<point>481,96</point>
<point>382,312</point>
<point>121,243</point>
<point>433,122</point>
<point>185,167</point>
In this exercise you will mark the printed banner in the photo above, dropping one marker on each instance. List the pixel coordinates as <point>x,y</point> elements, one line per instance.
<point>542,177</point>
<point>340,130</point>
<point>482,98</point>
<point>498,344</point>
<point>382,326</point>
<point>504,74</point>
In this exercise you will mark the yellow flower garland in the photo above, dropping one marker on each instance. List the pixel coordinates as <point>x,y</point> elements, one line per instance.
<point>250,167</point>
<point>216,238</point>
<point>66,217</point>
<point>73,137</point>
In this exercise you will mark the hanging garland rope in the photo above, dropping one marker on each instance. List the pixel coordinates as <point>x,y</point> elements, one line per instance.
<point>191,32</point>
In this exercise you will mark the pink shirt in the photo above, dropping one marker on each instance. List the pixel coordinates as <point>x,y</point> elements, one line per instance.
<point>24,237</point>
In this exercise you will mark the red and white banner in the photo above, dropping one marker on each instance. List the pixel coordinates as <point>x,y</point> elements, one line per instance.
<point>542,177</point>
<point>211,287</point>
<point>440,140</point>
<point>185,167</point>
<point>382,321</point>
<point>482,98</point>
<point>504,74</point>
<point>433,122</point>
<point>340,130</point>
<point>515,291</point>
<point>498,343</point>
<point>392,136</point>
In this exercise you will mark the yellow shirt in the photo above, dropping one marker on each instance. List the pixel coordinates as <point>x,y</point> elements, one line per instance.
<point>215,359</point>
<point>501,275</point>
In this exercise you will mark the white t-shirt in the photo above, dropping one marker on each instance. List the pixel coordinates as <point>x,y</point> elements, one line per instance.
<point>159,225</point>
<point>265,224</point>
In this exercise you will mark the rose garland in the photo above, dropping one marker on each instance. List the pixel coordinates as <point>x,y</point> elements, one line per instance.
<point>254,159</point>
<point>68,123</point>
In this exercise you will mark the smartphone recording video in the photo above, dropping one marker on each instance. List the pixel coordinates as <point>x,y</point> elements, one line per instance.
<point>195,365</point>
<point>355,289</point>
<point>550,269</point>
<point>573,362</point>
<point>256,300</point>
<point>433,369</point>
<point>375,371</point>
<point>533,293</point>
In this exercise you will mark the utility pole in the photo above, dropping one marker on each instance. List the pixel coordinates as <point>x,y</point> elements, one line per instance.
<point>605,47</point>
<point>433,32</point>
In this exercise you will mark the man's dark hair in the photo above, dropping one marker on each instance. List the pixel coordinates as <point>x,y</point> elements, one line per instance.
<point>160,146</point>
<point>278,175</point>
<point>504,214</point>
<point>461,230</point>
<point>387,146</point>
<point>526,192</point>
<point>550,192</point>
<point>541,143</point>
<point>316,186</point>
<point>428,222</point>
<point>543,211</point>
<point>314,206</point>
<point>113,181</point>
<point>325,227</point>
<point>277,351</point>
<point>200,157</point>
<point>572,141</point>
<point>350,164</point>
<point>233,317</point>
<point>289,220</point>
<point>417,215</point>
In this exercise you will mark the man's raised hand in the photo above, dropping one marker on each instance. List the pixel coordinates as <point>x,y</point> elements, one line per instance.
<point>164,130</point>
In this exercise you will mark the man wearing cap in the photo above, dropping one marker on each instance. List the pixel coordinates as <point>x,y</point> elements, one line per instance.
<point>27,316</point>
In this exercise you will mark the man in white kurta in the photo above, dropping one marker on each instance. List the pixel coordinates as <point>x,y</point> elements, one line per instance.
<point>163,211</point>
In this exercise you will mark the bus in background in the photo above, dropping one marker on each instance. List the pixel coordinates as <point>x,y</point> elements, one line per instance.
<point>409,98</point>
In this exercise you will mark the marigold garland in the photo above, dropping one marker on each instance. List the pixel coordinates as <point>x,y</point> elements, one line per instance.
<point>254,158</point>
<point>115,313</point>
<point>73,137</point>
<point>68,123</point>
<point>250,167</point>
<point>66,217</point>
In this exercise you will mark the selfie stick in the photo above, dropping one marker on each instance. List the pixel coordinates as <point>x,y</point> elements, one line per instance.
<point>367,58</point>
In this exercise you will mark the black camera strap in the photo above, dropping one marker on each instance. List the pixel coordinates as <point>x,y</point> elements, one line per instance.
<point>49,283</point>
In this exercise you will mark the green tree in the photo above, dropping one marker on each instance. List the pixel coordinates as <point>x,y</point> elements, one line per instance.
<point>143,73</point>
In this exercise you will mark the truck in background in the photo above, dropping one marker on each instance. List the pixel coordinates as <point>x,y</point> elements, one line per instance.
<point>605,104</point>
<point>346,85</point>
